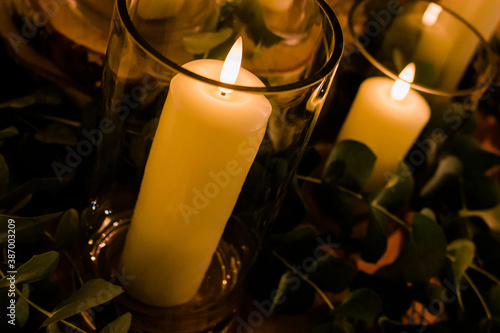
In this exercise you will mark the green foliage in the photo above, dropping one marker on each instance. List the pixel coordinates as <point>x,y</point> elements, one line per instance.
<point>35,269</point>
<point>423,254</point>
<point>349,165</point>
<point>92,293</point>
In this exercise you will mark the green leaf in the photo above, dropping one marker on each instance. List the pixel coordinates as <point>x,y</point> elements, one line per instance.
<point>293,295</point>
<point>57,133</point>
<point>28,229</point>
<point>449,167</point>
<point>463,251</point>
<point>203,42</point>
<point>349,165</point>
<point>53,328</point>
<point>397,193</point>
<point>374,244</point>
<point>251,14</point>
<point>295,245</point>
<point>474,159</point>
<point>360,304</point>
<point>423,255</point>
<point>8,132</point>
<point>30,187</point>
<point>4,174</point>
<point>44,95</point>
<point>331,274</point>
<point>68,229</point>
<point>481,192</point>
<point>119,325</point>
<point>92,293</point>
<point>36,269</point>
<point>22,306</point>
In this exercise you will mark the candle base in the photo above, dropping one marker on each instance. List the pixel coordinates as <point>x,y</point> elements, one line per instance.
<point>213,307</point>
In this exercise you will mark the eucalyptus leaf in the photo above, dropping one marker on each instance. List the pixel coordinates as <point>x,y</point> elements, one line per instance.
<point>53,328</point>
<point>423,255</point>
<point>250,12</point>
<point>295,245</point>
<point>119,325</point>
<point>8,132</point>
<point>28,229</point>
<point>374,244</point>
<point>203,42</point>
<point>490,216</point>
<point>349,165</point>
<point>4,174</point>
<point>360,304</point>
<point>397,193</point>
<point>23,202</point>
<point>30,187</point>
<point>68,229</point>
<point>331,274</point>
<point>57,133</point>
<point>44,95</point>
<point>448,167</point>
<point>22,306</point>
<point>474,159</point>
<point>92,293</point>
<point>36,269</point>
<point>463,251</point>
<point>293,296</point>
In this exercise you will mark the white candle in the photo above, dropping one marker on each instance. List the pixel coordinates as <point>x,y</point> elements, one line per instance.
<point>387,121</point>
<point>205,143</point>
<point>447,44</point>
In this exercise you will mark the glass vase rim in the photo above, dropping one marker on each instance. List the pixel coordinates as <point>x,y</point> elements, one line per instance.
<point>329,67</point>
<point>484,77</point>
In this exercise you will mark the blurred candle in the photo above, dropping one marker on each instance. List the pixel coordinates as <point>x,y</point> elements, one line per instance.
<point>387,116</point>
<point>193,176</point>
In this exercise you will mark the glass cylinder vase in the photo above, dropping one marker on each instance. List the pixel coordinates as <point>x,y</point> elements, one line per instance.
<point>190,165</point>
<point>453,68</point>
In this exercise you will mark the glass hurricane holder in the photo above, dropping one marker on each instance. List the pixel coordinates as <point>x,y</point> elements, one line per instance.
<point>454,67</point>
<point>223,170</point>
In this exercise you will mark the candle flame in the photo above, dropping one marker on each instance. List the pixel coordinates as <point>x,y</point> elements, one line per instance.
<point>401,88</point>
<point>431,14</point>
<point>232,65</point>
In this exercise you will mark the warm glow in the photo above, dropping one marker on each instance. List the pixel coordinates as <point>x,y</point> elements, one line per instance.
<point>401,88</point>
<point>232,65</point>
<point>431,14</point>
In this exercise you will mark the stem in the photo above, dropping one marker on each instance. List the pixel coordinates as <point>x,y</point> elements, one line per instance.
<point>70,260</point>
<point>351,193</point>
<point>390,215</point>
<point>485,273</point>
<point>305,278</point>
<point>309,179</point>
<point>45,312</point>
<point>73,326</point>
<point>479,296</point>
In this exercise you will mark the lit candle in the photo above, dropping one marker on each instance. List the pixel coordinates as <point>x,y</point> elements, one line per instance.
<point>205,143</point>
<point>387,116</point>
<point>449,46</point>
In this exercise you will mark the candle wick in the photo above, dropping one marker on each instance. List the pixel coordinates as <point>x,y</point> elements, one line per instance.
<point>222,93</point>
